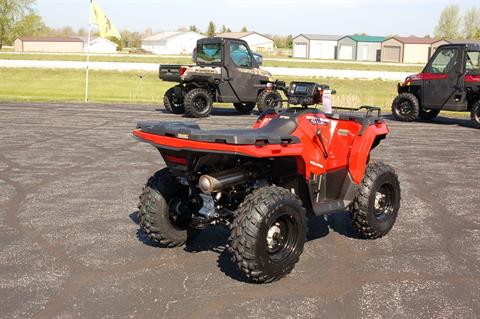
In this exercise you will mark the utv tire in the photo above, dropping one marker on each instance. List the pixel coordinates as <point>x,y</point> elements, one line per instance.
<point>268,99</point>
<point>170,105</point>
<point>428,114</point>
<point>268,234</point>
<point>376,206</point>
<point>198,103</point>
<point>155,216</point>
<point>475,114</point>
<point>405,107</point>
<point>244,108</point>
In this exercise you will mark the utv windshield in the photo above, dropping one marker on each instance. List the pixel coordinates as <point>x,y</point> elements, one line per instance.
<point>473,62</point>
<point>209,53</point>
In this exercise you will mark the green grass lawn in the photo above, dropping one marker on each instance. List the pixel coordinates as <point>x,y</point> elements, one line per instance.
<point>291,63</point>
<point>146,88</point>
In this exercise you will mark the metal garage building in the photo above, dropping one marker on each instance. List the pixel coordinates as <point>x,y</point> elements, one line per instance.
<point>360,47</point>
<point>315,46</point>
<point>256,41</point>
<point>48,44</point>
<point>172,42</point>
<point>409,49</point>
<point>99,45</point>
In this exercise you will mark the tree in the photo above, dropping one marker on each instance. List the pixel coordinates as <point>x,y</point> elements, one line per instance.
<point>211,30</point>
<point>224,29</point>
<point>29,25</point>
<point>289,41</point>
<point>471,23</point>
<point>12,11</point>
<point>130,39</point>
<point>82,32</point>
<point>117,42</point>
<point>194,28</point>
<point>244,29</point>
<point>449,23</point>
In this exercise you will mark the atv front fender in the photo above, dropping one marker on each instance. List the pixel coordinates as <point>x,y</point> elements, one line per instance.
<point>361,148</point>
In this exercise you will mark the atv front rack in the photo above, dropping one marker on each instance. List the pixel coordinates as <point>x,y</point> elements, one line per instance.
<point>370,110</point>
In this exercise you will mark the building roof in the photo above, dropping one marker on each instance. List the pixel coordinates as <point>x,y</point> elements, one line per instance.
<point>50,39</point>
<point>166,34</point>
<point>366,38</point>
<point>415,40</point>
<point>162,35</point>
<point>92,40</point>
<point>321,37</point>
<point>239,35</point>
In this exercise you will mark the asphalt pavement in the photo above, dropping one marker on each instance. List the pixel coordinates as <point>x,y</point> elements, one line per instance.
<point>71,247</point>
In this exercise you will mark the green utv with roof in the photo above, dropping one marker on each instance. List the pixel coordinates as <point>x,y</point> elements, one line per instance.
<point>225,71</point>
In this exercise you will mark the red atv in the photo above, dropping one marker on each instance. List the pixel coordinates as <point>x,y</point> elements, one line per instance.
<point>265,181</point>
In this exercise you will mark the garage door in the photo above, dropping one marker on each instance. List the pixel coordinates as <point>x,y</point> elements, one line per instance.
<point>299,50</point>
<point>346,52</point>
<point>316,50</point>
<point>391,54</point>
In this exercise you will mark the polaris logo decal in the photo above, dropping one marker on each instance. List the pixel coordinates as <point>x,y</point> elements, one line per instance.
<point>318,120</point>
<point>316,164</point>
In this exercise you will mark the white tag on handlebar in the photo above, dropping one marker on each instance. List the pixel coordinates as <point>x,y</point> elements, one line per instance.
<point>327,101</point>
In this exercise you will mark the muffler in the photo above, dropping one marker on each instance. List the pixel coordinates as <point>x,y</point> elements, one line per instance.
<point>219,181</point>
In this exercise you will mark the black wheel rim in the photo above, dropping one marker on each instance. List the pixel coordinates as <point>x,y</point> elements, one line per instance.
<point>271,100</point>
<point>200,103</point>
<point>281,237</point>
<point>405,108</point>
<point>384,202</point>
<point>476,115</point>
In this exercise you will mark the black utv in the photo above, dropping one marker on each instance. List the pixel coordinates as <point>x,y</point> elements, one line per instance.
<point>450,81</point>
<point>225,71</point>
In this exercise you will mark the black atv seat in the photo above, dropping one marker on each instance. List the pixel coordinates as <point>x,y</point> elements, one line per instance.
<point>277,131</point>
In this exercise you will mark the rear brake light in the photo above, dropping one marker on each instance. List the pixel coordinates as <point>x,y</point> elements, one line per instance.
<point>182,71</point>
<point>176,159</point>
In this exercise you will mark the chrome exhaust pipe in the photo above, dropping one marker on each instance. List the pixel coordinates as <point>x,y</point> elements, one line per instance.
<point>218,181</point>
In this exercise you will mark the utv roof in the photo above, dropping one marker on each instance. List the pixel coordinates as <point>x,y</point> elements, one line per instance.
<point>473,46</point>
<point>218,40</point>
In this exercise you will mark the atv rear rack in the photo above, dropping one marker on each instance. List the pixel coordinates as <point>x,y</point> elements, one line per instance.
<point>370,110</point>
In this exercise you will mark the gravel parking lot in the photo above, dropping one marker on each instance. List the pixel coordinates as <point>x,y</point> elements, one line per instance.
<point>70,245</point>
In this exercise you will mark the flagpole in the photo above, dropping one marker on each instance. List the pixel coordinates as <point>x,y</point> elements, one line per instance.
<point>88,50</point>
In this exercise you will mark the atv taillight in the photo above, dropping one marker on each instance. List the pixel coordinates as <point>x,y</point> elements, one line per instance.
<point>176,159</point>
<point>182,70</point>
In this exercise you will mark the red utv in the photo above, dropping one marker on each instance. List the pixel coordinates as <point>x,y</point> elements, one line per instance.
<point>265,181</point>
<point>450,81</point>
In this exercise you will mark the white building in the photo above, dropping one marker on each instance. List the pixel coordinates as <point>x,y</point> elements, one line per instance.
<point>100,45</point>
<point>172,42</point>
<point>256,41</point>
<point>315,46</point>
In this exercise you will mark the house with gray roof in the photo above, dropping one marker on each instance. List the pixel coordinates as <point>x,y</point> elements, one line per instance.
<point>315,46</point>
<point>360,48</point>
<point>175,42</point>
<point>255,40</point>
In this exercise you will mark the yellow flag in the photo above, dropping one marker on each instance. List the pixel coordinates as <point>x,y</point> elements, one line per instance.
<point>105,27</point>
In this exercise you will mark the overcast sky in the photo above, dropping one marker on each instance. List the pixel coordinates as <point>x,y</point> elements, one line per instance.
<point>284,17</point>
